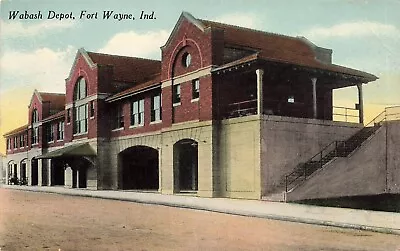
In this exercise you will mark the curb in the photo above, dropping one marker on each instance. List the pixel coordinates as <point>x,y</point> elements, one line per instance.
<point>230,212</point>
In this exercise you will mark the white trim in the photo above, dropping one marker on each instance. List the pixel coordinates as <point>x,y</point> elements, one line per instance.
<point>136,126</point>
<point>117,129</point>
<point>79,134</point>
<point>91,117</point>
<point>191,19</point>
<point>176,104</point>
<point>156,122</point>
<point>60,140</point>
<point>201,72</point>
<point>88,60</point>
<point>195,100</point>
<point>87,100</point>
<point>136,135</point>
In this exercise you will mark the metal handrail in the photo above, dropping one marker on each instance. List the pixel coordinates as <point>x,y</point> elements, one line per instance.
<point>338,143</point>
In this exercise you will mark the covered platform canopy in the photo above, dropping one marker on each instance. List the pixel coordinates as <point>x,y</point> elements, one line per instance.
<point>76,150</point>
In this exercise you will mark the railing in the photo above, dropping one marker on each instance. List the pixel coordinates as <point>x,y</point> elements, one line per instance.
<point>306,167</point>
<point>349,114</point>
<point>240,109</point>
<point>389,114</point>
<point>340,148</point>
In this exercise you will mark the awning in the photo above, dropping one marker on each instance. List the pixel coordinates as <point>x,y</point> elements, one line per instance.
<point>75,150</point>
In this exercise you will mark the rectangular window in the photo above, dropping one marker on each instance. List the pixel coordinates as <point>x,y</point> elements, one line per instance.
<point>91,109</point>
<point>290,99</point>
<point>137,114</point>
<point>195,89</point>
<point>69,116</point>
<point>156,108</point>
<point>15,142</point>
<point>8,143</point>
<point>35,135</point>
<point>60,130</point>
<point>22,140</point>
<point>119,117</point>
<point>176,95</point>
<point>49,133</point>
<point>81,119</point>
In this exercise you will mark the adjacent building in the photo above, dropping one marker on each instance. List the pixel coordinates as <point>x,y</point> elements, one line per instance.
<point>227,112</point>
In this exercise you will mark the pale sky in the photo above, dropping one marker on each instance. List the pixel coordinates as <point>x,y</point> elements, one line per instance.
<point>38,54</point>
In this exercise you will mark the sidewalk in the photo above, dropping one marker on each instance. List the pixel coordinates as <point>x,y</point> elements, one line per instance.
<point>383,222</point>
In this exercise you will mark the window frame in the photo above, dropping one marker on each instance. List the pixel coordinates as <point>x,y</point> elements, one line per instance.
<point>176,94</point>
<point>35,135</point>
<point>119,122</point>
<point>49,133</point>
<point>60,130</point>
<point>80,89</point>
<point>195,89</point>
<point>137,115</point>
<point>156,116</point>
<point>81,125</point>
<point>22,142</point>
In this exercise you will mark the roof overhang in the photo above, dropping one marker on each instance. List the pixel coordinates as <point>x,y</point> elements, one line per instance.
<point>76,150</point>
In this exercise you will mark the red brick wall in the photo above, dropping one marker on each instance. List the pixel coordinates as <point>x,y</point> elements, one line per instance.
<point>147,127</point>
<point>190,39</point>
<point>187,38</point>
<point>54,125</point>
<point>198,110</point>
<point>18,149</point>
<point>81,69</point>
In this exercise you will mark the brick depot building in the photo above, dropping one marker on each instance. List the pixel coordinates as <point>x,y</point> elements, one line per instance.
<point>227,112</point>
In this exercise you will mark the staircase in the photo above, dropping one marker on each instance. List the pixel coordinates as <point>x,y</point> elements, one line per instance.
<point>327,154</point>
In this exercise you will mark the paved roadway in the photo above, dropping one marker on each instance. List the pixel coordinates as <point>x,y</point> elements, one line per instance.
<point>43,221</point>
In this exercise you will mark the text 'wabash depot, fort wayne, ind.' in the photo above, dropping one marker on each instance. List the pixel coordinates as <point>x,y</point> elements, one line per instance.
<point>83,14</point>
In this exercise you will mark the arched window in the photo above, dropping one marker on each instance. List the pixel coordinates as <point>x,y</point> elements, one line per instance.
<point>35,116</point>
<point>81,111</point>
<point>80,90</point>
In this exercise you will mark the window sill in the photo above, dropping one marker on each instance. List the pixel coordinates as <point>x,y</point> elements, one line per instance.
<point>135,126</point>
<point>155,122</point>
<point>35,144</point>
<point>92,117</point>
<point>176,104</point>
<point>60,140</point>
<point>80,134</point>
<point>195,100</point>
<point>117,129</point>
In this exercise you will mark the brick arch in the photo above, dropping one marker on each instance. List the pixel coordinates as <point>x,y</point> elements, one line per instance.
<point>11,162</point>
<point>138,145</point>
<point>81,74</point>
<point>24,160</point>
<point>184,43</point>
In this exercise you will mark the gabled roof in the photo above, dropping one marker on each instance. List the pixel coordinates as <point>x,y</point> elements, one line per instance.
<point>57,100</point>
<point>127,69</point>
<point>190,18</point>
<point>271,47</point>
<point>280,48</point>
<point>16,131</point>
<point>152,83</point>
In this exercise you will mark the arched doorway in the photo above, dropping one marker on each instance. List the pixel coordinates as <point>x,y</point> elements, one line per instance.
<point>12,172</point>
<point>22,174</point>
<point>34,171</point>
<point>186,165</point>
<point>139,168</point>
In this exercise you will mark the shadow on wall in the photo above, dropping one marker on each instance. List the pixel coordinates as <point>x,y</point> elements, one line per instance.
<point>382,202</point>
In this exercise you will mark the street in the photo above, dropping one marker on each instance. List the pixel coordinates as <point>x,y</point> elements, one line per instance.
<point>42,221</point>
